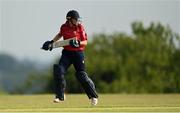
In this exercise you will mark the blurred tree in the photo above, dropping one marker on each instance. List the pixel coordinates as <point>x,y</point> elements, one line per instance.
<point>134,64</point>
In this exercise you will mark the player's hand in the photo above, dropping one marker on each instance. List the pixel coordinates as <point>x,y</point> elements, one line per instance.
<point>74,43</point>
<point>48,45</point>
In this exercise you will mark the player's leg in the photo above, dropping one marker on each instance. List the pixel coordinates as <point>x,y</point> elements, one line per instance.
<point>82,76</point>
<point>87,84</point>
<point>59,71</point>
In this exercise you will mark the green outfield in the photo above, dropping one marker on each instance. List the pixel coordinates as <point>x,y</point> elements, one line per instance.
<point>80,103</point>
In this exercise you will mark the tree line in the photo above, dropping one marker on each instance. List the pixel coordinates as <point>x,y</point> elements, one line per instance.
<point>145,61</point>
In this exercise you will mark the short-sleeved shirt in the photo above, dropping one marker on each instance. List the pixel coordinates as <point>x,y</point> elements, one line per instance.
<point>68,32</point>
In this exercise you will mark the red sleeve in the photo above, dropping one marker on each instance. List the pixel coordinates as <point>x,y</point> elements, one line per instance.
<point>83,34</point>
<point>61,30</point>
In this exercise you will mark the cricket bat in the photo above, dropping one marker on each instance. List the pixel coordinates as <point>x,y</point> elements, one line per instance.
<point>62,43</point>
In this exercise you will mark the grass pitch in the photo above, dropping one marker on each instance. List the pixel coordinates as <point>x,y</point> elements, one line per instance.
<point>80,103</point>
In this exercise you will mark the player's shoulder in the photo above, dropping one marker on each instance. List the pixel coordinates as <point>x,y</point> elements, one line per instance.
<point>63,25</point>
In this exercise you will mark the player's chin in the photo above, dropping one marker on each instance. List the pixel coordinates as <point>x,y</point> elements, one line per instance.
<point>76,24</point>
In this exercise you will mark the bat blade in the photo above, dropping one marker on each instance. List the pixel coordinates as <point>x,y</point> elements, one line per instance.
<point>62,43</point>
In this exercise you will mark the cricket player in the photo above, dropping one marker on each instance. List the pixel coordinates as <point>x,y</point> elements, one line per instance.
<point>72,54</point>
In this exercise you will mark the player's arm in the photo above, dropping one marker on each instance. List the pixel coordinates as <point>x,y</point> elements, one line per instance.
<point>57,37</point>
<point>83,43</point>
<point>83,34</point>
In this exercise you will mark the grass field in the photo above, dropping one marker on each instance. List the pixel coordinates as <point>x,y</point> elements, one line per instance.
<point>80,103</point>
